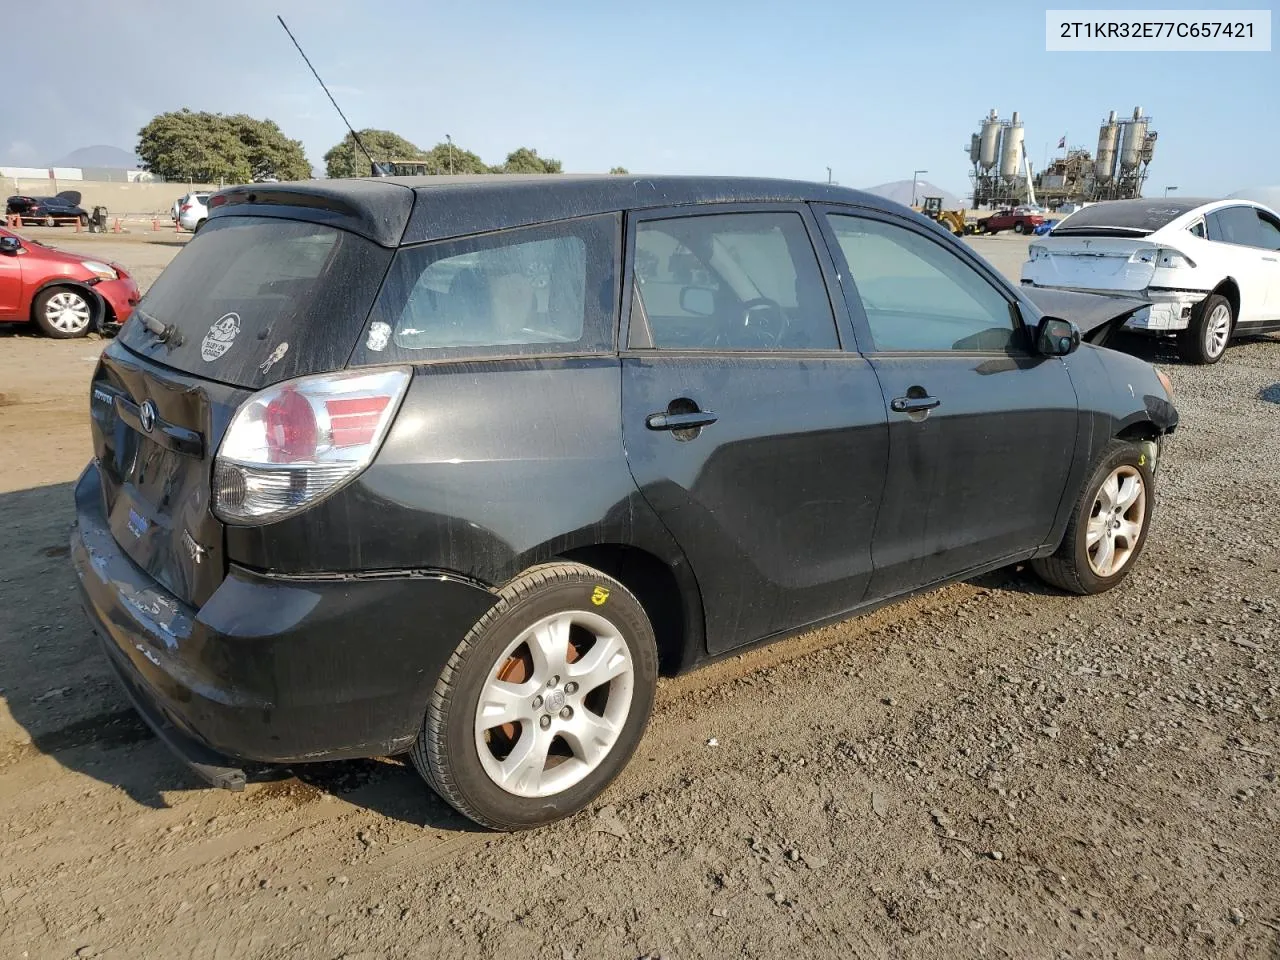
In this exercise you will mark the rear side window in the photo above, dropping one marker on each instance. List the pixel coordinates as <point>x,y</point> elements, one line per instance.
<point>739,281</point>
<point>547,289</point>
<point>1238,225</point>
<point>254,300</point>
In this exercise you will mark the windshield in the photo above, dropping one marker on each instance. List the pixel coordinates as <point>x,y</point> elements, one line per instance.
<point>253,300</point>
<point>1122,218</point>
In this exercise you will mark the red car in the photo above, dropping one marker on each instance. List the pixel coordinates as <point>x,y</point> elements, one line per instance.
<point>1015,220</point>
<point>64,294</point>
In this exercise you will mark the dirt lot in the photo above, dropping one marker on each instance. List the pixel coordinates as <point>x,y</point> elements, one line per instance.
<point>990,770</point>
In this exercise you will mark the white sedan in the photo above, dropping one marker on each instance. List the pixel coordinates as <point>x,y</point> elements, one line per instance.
<point>1210,269</point>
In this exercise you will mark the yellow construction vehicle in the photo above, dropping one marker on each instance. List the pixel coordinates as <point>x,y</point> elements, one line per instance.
<point>953,220</point>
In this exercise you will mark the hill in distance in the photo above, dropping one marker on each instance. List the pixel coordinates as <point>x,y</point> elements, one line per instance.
<point>102,155</point>
<point>899,191</point>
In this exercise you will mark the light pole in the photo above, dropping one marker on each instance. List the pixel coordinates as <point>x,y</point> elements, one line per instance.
<point>914,178</point>
<point>828,175</point>
<point>450,140</point>
<point>1167,189</point>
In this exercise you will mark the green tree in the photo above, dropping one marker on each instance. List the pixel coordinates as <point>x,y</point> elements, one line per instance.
<point>622,170</point>
<point>345,159</point>
<point>445,159</point>
<point>209,147</point>
<point>269,152</point>
<point>526,160</point>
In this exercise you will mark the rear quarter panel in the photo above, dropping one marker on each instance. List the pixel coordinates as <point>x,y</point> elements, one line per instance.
<point>489,468</point>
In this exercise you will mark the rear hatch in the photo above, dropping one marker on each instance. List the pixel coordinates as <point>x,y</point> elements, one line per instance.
<point>251,301</point>
<point>1091,263</point>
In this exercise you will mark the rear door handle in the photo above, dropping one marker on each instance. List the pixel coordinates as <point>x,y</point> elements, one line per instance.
<point>914,404</point>
<point>680,421</point>
<point>1269,259</point>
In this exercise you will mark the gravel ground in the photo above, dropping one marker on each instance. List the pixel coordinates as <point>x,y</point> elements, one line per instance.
<point>993,769</point>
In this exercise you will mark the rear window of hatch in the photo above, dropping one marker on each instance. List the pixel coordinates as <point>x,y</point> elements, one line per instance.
<point>256,300</point>
<point>528,291</point>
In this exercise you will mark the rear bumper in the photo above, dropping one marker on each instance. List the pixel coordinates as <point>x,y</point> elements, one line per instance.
<point>1170,311</point>
<point>271,669</point>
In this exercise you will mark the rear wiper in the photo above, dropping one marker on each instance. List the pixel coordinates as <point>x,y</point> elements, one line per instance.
<point>164,332</point>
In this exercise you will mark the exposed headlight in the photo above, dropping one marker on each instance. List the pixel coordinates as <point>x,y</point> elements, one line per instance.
<point>101,270</point>
<point>1038,252</point>
<point>1165,382</point>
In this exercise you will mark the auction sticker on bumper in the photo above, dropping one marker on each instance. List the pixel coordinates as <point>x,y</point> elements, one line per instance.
<point>220,337</point>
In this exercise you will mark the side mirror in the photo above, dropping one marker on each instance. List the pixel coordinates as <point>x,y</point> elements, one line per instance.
<point>1057,338</point>
<point>10,245</point>
<point>698,301</point>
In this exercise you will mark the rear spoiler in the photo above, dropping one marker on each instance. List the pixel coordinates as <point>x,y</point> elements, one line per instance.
<point>378,211</point>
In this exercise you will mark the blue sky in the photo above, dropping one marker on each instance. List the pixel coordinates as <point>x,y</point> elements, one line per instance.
<point>664,86</point>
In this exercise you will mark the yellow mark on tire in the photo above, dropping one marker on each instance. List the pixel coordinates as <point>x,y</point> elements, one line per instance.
<point>599,595</point>
<point>1142,459</point>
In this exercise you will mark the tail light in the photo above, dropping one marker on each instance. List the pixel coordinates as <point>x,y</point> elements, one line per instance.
<point>293,444</point>
<point>184,208</point>
<point>1163,257</point>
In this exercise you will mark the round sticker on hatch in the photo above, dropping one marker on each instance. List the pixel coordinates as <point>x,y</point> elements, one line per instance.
<point>220,337</point>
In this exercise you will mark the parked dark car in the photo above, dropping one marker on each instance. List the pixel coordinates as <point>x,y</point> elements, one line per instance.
<point>46,211</point>
<point>457,466</point>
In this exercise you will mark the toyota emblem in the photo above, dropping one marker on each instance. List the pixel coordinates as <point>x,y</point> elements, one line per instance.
<point>147,415</point>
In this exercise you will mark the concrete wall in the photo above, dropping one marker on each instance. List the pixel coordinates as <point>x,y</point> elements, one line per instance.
<point>121,199</point>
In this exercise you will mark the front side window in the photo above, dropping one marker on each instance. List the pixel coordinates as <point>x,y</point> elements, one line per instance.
<point>1268,232</point>
<point>532,290</point>
<point>739,281</point>
<point>919,296</point>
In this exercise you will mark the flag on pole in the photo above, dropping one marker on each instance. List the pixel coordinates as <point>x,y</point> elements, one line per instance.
<point>1062,144</point>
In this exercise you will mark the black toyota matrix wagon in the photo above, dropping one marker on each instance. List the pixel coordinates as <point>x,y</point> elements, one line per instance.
<point>457,466</point>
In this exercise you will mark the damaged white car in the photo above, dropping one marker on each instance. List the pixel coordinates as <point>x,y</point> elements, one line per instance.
<point>1208,269</point>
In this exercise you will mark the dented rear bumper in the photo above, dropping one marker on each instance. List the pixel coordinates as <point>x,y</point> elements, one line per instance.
<point>271,669</point>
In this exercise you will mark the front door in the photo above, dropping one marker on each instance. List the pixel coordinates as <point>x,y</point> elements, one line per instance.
<point>757,439</point>
<point>981,430</point>
<point>10,282</point>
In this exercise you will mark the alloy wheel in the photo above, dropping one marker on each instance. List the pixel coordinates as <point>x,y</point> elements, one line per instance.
<point>1217,330</point>
<point>1116,521</point>
<point>554,704</point>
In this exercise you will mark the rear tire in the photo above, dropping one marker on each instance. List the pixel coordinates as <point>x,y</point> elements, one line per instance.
<point>1108,527</point>
<point>199,224</point>
<point>533,659</point>
<point>1206,337</point>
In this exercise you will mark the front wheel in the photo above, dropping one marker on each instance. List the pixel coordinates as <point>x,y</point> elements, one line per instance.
<point>62,313</point>
<point>543,702</point>
<point>1019,228</point>
<point>1108,527</point>
<point>1206,337</point>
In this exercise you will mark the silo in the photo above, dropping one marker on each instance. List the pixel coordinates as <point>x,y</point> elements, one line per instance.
<point>1011,149</point>
<point>1104,167</point>
<point>989,142</point>
<point>1135,135</point>
<point>975,148</point>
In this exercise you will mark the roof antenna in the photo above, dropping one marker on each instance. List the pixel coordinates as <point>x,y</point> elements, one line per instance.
<point>373,164</point>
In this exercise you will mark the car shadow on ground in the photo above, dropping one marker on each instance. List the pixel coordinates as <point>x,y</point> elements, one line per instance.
<point>56,683</point>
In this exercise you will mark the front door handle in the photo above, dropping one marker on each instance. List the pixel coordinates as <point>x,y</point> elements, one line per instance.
<point>914,404</point>
<point>680,421</point>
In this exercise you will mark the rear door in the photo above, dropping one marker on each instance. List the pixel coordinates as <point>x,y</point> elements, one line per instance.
<point>981,431</point>
<point>1238,233</point>
<point>759,441</point>
<point>249,302</point>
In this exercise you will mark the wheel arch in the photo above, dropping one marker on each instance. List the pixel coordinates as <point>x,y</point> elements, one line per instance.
<point>97,305</point>
<point>1231,290</point>
<point>671,601</point>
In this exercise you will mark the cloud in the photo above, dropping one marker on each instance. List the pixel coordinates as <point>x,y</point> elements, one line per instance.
<point>19,153</point>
